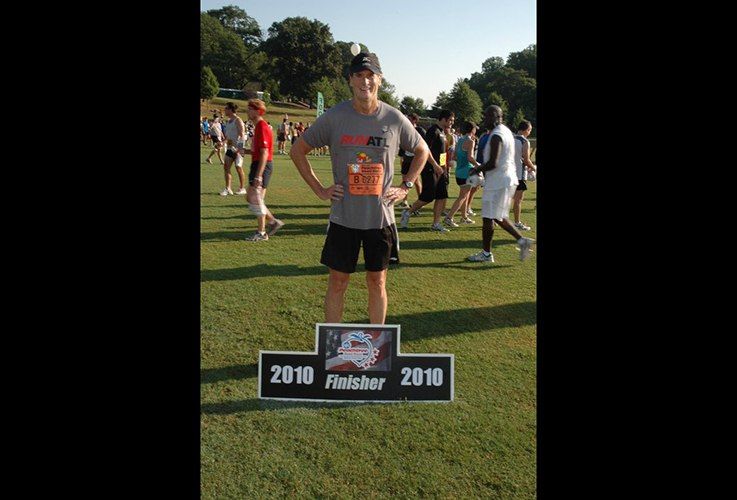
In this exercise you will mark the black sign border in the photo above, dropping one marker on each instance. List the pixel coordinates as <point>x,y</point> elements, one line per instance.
<point>397,330</point>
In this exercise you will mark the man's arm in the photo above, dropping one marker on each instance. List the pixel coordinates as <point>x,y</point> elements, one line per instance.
<point>468,147</point>
<point>298,154</point>
<point>241,141</point>
<point>495,146</point>
<point>422,155</point>
<point>526,158</point>
<point>435,165</point>
<point>422,152</point>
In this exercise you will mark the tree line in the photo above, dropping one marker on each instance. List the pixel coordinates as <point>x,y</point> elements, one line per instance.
<point>299,58</point>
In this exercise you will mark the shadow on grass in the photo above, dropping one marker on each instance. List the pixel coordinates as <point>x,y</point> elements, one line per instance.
<point>226,235</point>
<point>255,404</point>
<point>285,270</point>
<point>260,271</point>
<point>234,372</point>
<point>449,243</point>
<point>442,323</point>
<point>463,265</point>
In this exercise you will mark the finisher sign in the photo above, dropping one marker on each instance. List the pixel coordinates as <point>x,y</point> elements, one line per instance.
<point>355,363</point>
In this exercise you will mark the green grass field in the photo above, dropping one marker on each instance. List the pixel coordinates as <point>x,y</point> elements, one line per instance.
<point>269,295</point>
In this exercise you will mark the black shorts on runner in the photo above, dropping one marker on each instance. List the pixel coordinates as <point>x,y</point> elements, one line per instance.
<point>342,245</point>
<point>266,175</point>
<point>433,187</point>
<point>215,139</point>
<point>461,181</point>
<point>522,186</point>
<point>280,137</point>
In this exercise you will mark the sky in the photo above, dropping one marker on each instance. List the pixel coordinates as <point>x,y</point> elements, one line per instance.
<point>424,46</point>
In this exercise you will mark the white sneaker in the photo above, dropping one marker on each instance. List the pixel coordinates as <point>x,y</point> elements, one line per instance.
<point>405,219</point>
<point>520,225</point>
<point>480,257</point>
<point>450,222</point>
<point>470,212</point>
<point>274,227</point>
<point>258,237</point>
<point>524,247</point>
<point>241,191</point>
<point>439,228</point>
<point>466,220</point>
<point>226,192</point>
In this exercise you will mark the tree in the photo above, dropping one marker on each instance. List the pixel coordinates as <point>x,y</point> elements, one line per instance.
<point>341,90</point>
<point>209,85</point>
<point>412,105</point>
<point>387,93</point>
<point>464,102</point>
<point>519,90</point>
<point>301,52</point>
<point>480,81</point>
<point>325,86</point>
<point>441,102</point>
<point>497,100</point>
<point>525,60</point>
<point>226,55</point>
<point>235,19</point>
<point>514,119</point>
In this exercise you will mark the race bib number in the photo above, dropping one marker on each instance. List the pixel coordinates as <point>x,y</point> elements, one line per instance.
<point>443,159</point>
<point>365,179</point>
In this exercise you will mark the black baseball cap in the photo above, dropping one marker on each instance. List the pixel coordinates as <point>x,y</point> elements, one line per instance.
<point>367,61</point>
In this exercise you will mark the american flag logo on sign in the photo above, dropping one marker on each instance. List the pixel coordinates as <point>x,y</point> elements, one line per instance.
<point>358,350</point>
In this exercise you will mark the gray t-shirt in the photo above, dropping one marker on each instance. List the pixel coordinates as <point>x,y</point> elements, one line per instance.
<point>362,150</point>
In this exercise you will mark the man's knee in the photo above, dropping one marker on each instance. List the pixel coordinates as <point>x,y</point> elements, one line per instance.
<point>376,280</point>
<point>338,282</point>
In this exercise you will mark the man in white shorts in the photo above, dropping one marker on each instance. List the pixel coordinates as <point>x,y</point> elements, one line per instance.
<point>499,170</point>
<point>235,137</point>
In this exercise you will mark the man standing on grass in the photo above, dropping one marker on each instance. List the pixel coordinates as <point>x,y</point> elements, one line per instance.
<point>364,135</point>
<point>262,155</point>
<point>407,156</point>
<point>216,134</point>
<point>235,138</point>
<point>524,165</point>
<point>435,173</point>
<point>499,170</point>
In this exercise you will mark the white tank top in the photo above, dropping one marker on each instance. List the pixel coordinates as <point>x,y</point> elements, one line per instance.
<point>505,173</point>
<point>231,130</point>
<point>217,130</point>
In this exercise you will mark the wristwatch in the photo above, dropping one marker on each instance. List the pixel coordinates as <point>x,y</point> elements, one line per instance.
<point>408,184</point>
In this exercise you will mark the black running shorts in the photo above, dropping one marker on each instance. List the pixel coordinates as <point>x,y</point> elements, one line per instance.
<point>433,187</point>
<point>342,245</point>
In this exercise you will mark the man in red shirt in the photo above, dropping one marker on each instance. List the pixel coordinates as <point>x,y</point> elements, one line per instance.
<point>262,153</point>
